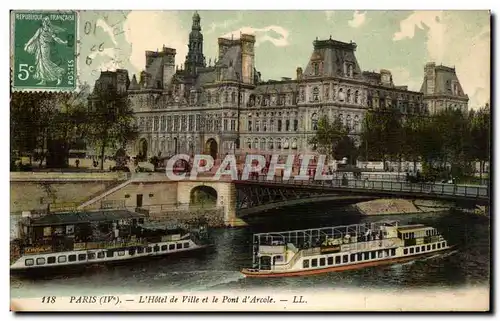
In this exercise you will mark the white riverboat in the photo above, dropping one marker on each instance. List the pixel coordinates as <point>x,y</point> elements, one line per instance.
<point>340,248</point>
<point>77,239</point>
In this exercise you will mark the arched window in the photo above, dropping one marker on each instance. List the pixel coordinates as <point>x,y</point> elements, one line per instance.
<point>209,97</point>
<point>341,118</point>
<point>295,125</point>
<point>264,125</point>
<point>278,144</point>
<point>262,144</point>
<point>314,121</point>
<point>316,69</point>
<point>249,143</point>
<point>315,94</point>
<point>348,122</point>
<point>348,96</point>
<point>255,143</point>
<point>356,97</point>
<point>270,144</point>
<point>233,97</point>
<point>350,71</point>
<point>226,97</point>
<point>217,98</point>
<point>294,143</point>
<point>279,124</point>
<point>286,144</point>
<point>341,94</point>
<point>287,125</point>
<point>356,124</point>
<point>271,125</point>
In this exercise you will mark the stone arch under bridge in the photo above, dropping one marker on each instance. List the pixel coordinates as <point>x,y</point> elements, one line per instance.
<point>203,196</point>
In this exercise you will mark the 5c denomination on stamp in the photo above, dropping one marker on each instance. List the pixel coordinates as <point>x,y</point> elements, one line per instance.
<point>44,50</point>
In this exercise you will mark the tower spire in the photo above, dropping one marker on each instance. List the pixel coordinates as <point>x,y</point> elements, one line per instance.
<point>195,57</point>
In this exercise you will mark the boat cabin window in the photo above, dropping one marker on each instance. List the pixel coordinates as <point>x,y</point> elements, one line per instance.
<point>72,258</point>
<point>91,256</point>
<point>405,236</point>
<point>100,255</point>
<point>330,260</point>
<point>61,259</point>
<point>149,249</point>
<point>121,253</point>
<point>40,261</point>
<point>353,257</point>
<point>51,260</point>
<point>360,256</point>
<point>345,259</point>
<point>439,245</point>
<point>423,248</point>
<point>156,248</point>
<point>179,246</point>
<point>393,252</point>
<point>433,246</point>
<point>110,253</point>
<point>164,247</point>
<point>444,244</point>
<point>82,257</point>
<point>379,254</point>
<point>412,250</point>
<point>314,262</point>
<point>373,254</point>
<point>337,260</point>
<point>29,262</point>
<point>417,249</point>
<point>405,251</point>
<point>367,255</point>
<point>140,250</point>
<point>322,261</point>
<point>186,245</point>
<point>305,264</point>
<point>428,247</point>
<point>171,247</point>
<point>131,251</point>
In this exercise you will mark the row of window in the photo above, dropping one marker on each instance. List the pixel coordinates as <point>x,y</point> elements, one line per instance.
<point>288,126</point>
<point>346,258</point>
<point>424,248</point>
<point>102,254</point>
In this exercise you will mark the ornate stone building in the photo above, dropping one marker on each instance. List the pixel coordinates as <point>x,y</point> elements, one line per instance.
<point>224,107</point>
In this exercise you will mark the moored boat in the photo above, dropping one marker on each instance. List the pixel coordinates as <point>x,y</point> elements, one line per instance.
<point>98,237</point>
<point>340,248</point>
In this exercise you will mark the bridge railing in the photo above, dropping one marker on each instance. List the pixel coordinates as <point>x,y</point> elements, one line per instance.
<point>394,186</point>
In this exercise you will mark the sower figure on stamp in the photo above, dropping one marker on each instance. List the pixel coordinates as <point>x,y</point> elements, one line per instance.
<point>39,45</point>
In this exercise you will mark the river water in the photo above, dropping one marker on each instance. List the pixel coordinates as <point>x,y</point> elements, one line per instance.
<point>218,269</point>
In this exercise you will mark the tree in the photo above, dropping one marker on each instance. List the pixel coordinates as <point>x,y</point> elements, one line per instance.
<point>381,134</point>
<point>112,122</point>
<point>330,137</point>
<point>480,136</point>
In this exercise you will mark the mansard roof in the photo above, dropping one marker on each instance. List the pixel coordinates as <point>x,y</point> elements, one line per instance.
<point>444,79</point>
<point>230,63</point>
<point>332,54</point>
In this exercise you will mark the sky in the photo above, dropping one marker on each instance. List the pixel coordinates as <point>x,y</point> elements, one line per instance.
<point>401,41</point>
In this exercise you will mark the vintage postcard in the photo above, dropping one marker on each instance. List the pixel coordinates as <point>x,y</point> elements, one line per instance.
<point>250,160</point>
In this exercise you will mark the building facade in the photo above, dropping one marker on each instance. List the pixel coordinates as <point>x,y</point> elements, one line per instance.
<point>224,106</point>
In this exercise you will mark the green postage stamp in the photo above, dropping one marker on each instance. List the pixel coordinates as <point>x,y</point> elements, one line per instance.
<point>44,50</point>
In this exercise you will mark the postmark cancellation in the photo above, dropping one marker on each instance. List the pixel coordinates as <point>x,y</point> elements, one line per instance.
<point>44,50</point>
